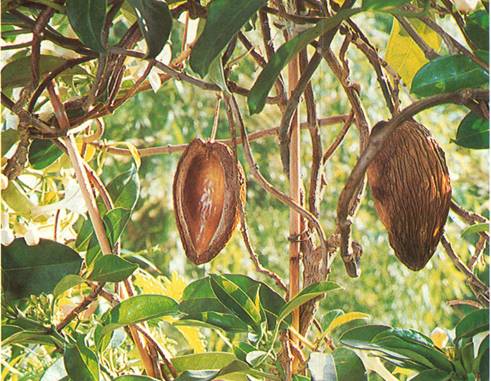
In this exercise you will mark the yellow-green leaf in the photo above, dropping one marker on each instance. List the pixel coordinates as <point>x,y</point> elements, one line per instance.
<point>346,318</point>
<point>404,55</point>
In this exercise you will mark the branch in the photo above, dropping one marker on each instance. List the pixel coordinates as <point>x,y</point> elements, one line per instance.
<point>479,288</point>
<point>429,53</point>
<point>233,111</point>
<point>168,149</point>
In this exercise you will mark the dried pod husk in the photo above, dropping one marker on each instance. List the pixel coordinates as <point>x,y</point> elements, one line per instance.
<point>410,183</point>
<point>209,189</point>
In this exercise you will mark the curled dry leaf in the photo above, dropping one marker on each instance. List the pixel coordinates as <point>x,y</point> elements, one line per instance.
<point>207,197</point>
<point>411,186</point>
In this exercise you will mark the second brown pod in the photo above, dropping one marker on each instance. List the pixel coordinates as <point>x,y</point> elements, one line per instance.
<point>411,186</point>
<point>209,189</point>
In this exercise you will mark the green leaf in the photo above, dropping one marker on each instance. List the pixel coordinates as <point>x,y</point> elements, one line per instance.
<point>477,28</point>
<point>473,323</point>
<point>111,268</point>
<point>81,363</point>
<point>42,153</point>
<point>359,337</point>
<point>134,377</point>
<point>87,20</point>
<point>308,293</point>
<point>24,337</point>
<point>330,316</point>
<point>32,270</point>
<point>224,20</point>
<point>242,349</point>
<point>484,365</point>
<point>321,367</point>
<point>383,5</point>
<point>9,138</point>
<point>212,319</point>
<point>475,229</point>
<point>67,282</point>
<point>236,300</point>
<point>446,74</point>
<point>155,22</point>
<point>209,375</point>
<point>124,189</point>
<point>265,80</point>
<point>200,361</point>
<point>349,366</point>
<point>413,345</point>
<point>17,73</point>
<point>115,222</point>
<point>136,309</point>
<point>432,375</point>
<point>473,132</point>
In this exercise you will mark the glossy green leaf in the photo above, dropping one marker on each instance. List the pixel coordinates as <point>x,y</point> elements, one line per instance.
<point>155,22</point>
<point>484,365</point>
<point>473,132</point>
<point>265,80</point>
<point>330,316</point>
<point>67,282</point>
<point>413,345</point>
<point>17,73</point>
<point>359,337</point>
<point>111,268</point>
<point>473,323</point>
<point>308,293</point>
<point>209,375</point>
<point>199,297</point>
<point>321,367</point>
<point>115,222</point>
<point>200,361</point>
<point>242,349</point>
<point>87,20</point>
<point>475,229</point>
<point>447,74</point>
<point>42,153</point>
<point>349,366</point>
<point>212,319</point>
<point>225,18</point>
<point>9,138</point>
<point>236,300</point>
<point>81,363</point>
<point>25,337</point>
<point>432,375</point>
<point>32,270</point>
<point>383,5</point>
<point>477,28</point>
<point>134,377</point>
<point>136,309</point>
<point>125,189</point>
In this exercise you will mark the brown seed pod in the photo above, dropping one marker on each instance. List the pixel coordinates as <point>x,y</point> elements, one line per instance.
<point>411,186</point>
<point>207,197</point>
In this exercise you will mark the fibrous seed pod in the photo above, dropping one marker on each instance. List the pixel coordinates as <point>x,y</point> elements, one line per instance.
<point>208,189</point>
<point>410,183</point>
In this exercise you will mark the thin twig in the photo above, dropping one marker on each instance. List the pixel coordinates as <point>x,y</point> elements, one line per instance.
<point>168,149</point>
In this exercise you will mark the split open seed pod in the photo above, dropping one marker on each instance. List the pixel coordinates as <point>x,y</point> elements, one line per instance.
<point>209,189</point>
<point>411,186</point>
